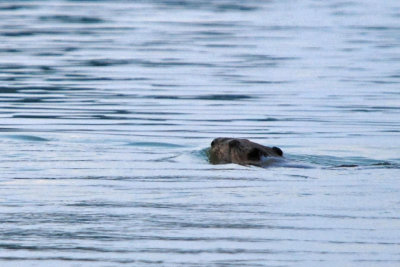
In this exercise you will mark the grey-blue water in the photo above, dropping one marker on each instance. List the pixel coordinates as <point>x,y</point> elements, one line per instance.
<point>107,107</point>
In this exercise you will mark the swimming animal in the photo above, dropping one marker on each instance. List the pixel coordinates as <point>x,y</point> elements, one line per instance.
<point>241,151</point>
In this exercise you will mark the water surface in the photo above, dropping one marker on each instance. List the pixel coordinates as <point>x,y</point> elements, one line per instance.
<point>107,107</point>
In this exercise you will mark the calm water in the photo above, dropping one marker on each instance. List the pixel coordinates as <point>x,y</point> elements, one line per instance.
<point>107,107</point>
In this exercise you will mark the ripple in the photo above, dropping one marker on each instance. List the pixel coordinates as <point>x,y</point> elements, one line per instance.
<point>223,97</point>
<point>235,7</point>
<point>154,144</point>
<point>32,32</point>
<point>30,138</point>
<point>105,62</point>
<point>72,19</point>
<point>14,7</point>
<point>343,162</point>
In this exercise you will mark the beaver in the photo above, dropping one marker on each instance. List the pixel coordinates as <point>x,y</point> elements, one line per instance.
<point>240,151</point>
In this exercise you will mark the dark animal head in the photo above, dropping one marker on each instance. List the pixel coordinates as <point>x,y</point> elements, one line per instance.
<point>240,151</point>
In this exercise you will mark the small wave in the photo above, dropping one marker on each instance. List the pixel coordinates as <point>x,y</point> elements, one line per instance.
<point>214,97</point>
<point>226,97</point>
<point>105,62</point>
<point>72,19</point>
<point>342,162</point>
<point>15,7</point>
<point>283,162</point>
<point>31,138</point>
<point>235,7</point>
<point>32,32</point>
<point>154,144</point>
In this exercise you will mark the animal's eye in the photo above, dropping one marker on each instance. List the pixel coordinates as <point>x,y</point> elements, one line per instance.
<point>254,154</point>
<point>212,143</point>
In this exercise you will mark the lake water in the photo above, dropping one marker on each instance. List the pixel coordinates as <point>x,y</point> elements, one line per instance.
<point>107,108</point>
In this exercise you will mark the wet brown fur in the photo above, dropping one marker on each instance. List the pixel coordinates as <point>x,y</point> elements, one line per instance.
<point>240,151</point>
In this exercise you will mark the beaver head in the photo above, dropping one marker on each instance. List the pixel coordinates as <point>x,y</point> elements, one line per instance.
<point>240,151</point>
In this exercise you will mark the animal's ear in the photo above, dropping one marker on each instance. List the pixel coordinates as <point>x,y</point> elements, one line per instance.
<point>254,154</point>
<point>234,143</point>
<point>277,150</point>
